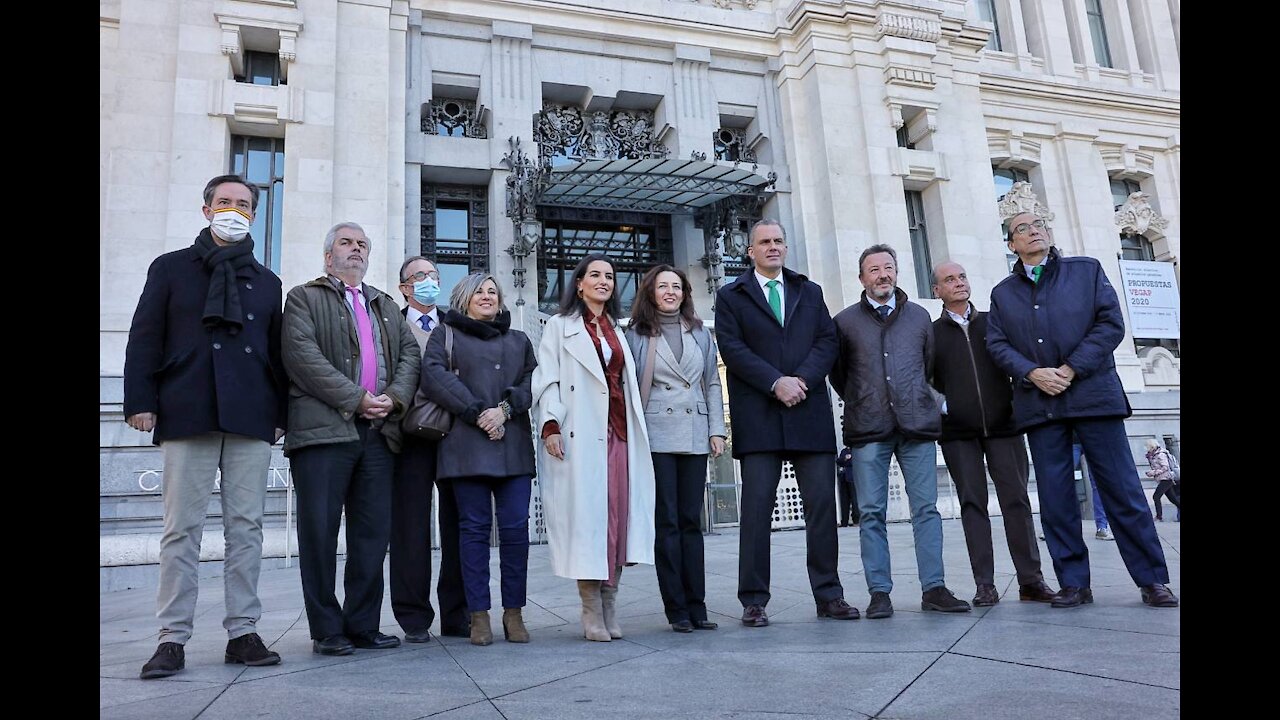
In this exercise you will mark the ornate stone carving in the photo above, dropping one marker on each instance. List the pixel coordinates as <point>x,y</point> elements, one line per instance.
<point>731,144</point>
<point>909,26</point>
<point>455,118</point>
<point>565,132</point>
<point>1137,215</point>
<point>1020,199</point>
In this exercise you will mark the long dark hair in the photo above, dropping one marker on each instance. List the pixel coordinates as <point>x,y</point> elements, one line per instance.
<point>572,304</point>
<point>644,312</point>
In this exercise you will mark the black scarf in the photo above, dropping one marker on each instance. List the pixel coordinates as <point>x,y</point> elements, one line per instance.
<point>222,306</point>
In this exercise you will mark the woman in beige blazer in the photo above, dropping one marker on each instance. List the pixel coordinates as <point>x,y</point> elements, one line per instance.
<point>680,388</point>
<point>594,465</point>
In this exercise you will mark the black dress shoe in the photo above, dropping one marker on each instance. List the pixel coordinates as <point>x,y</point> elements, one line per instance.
<point>881,606</point>
<point>248,649</point>
<point>838,609</point>
<point>682,626</point>
<point>333,645</point>
<point>374,640</point>
<point>754,616</point>
<point>418,635</point>
<point>1036,592</point>
<point>705,625</point>
<point>1069,597</point>
<point>986,596</point>
<point>1159,596</point>
<point>455,631</point>
<point>168,659</point>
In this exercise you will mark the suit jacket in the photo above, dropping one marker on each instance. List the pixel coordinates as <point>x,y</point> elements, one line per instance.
<point>198,380</point>
<point>757,351</point>
<point>685,404</point>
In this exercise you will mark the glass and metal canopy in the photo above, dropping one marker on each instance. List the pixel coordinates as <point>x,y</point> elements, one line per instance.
<point>653,185</point>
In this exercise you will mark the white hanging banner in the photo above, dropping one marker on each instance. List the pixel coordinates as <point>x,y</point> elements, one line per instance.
<point>1151,292</point>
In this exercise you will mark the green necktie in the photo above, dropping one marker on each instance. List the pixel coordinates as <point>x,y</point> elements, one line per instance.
<point>775,300</point>
<point>1035,273</point>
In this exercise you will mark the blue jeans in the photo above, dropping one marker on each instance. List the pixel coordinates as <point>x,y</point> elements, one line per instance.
<point>475,523</point>
<point>1099,512</point>
<point>871,478</point>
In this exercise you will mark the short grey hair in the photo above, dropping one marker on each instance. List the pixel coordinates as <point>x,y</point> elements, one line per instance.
<point>762,222</point>
<point>332,235</point>
<point>874,250</point>
<point>1152,443</point>
<point>460,298</point>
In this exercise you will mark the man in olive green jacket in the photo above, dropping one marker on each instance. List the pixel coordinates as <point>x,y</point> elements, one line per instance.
<point>353,368</point>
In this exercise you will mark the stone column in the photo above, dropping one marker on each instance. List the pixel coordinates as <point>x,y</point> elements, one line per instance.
<point>515,96</point>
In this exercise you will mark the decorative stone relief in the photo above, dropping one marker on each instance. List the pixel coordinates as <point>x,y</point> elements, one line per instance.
<point>599,135</point>
<point>909,26</point>
<point>1021,199</point>
<point>1137,216</point>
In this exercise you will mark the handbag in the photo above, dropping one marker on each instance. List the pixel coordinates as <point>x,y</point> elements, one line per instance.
<point>425,418</point>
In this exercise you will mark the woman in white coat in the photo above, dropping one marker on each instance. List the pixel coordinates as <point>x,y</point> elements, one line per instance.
<point>594,465</point>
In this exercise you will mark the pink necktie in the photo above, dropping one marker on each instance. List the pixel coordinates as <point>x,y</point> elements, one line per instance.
<point>368,353</point>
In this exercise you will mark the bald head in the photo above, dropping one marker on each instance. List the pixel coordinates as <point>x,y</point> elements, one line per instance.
<point>951,284</point>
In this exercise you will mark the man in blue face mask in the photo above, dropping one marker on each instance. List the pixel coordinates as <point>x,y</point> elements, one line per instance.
<point>411,498</point>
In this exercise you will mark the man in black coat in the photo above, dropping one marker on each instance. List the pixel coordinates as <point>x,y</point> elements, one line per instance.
<point>415,474</point>
<point>1054,325</point>
<point>977,423</point>
<point>778,344</point>
<point>202,371</point>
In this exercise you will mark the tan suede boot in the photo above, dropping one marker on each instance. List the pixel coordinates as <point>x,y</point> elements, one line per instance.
<point>608,601</point>
<point>513,628</point>
<point>481,633</point>
<point>592,613</point>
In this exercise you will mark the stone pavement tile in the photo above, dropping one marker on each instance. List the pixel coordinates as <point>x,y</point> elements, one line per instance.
<point>483,710</point>
<point>1137,657</point>
<point>725,684</point>
<point>552,654</point>
<point>183,706</point>
<point>392,685</point>
<point>963,688</point>
<point>119,691</point>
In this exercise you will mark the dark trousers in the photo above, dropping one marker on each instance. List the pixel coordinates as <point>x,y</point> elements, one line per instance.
<point>680,483</point>
<point>1006,460</point>
<point>847,493</point>
<point>411,543</point>
<point>1168,488</point>
<point>477,499</point>
<point>355,475</point>
<point>1112,466</point>
<point>760,475</point>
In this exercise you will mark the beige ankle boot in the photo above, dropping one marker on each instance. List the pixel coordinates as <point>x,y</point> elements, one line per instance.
<point>481,633</point>
<point>592,613</point>
<point>608,601</point>
<point>513,628</point>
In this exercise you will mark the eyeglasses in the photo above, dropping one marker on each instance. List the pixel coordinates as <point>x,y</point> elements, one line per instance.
<point>1024,227</point>
<point>420,276</point>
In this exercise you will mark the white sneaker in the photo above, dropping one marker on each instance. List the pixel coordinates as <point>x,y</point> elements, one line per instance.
<point>1105,534</point>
